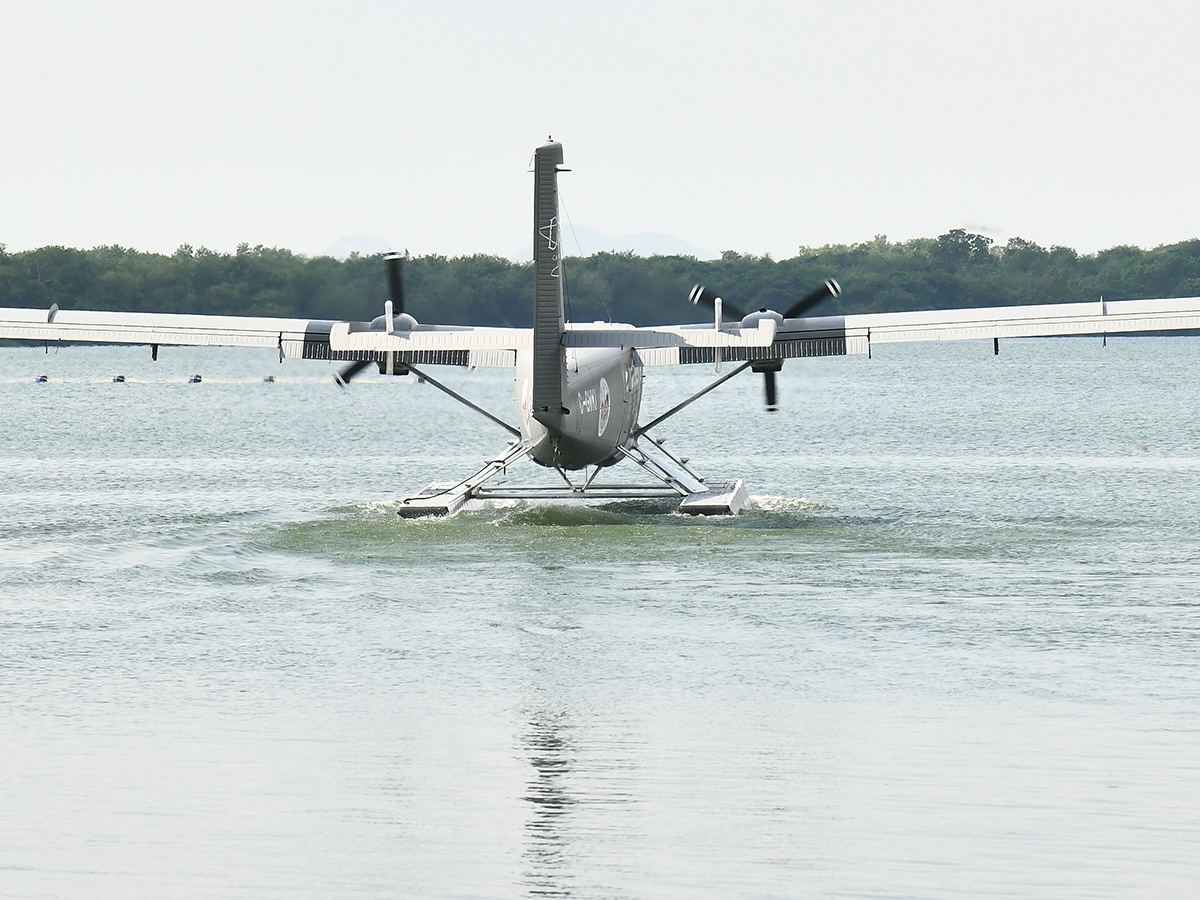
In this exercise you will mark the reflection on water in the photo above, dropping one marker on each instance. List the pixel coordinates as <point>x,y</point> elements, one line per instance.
<point>546,743</point>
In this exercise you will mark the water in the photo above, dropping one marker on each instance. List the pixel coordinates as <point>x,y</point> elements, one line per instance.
<point>951,652</point>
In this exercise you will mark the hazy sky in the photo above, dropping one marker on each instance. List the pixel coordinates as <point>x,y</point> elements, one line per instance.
<point>757,129</point>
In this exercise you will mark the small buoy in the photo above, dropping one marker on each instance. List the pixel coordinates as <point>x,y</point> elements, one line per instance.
<point>118,379</point>
<point>194,379</point>
<point>269,379</point>
<point>41,379</point>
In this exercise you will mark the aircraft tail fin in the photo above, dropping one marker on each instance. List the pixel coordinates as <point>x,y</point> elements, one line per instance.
<point>548,318</point>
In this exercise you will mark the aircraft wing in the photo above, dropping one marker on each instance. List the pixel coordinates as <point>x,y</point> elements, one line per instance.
<point>294,338</point>
<point>324,339</point>
<point>662,345</point>
<point>855,334</point>
<point>453,345</point>
<point>498,346</point>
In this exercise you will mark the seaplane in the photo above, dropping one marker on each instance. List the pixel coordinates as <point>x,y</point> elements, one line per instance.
<point>578,387</point>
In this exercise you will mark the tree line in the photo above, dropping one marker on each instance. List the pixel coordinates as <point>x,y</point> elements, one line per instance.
<point>955,269</point>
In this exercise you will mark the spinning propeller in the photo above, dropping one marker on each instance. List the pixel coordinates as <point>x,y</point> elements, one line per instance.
<point>829,289</point>
<point>393,310</point>
<point>768,367</point>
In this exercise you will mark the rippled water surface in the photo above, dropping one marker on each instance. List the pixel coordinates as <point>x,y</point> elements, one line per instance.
<point>952,651</point>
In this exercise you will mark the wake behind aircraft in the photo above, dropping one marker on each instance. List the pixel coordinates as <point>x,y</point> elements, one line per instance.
<point>578,387</point>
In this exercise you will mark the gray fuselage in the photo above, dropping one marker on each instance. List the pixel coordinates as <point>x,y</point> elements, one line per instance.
<point>601,396</point>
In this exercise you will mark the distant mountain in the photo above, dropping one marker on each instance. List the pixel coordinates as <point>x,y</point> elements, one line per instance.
<point>362,244</point>
<point>584,241</point>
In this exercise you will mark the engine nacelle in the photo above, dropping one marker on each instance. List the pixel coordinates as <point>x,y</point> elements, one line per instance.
<point>402,322</point>
<point>752,320</point>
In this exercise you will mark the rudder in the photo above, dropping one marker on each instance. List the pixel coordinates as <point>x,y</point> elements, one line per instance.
<point>548,318</point>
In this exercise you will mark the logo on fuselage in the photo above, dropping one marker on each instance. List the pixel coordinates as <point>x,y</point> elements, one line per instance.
<point>605,406</point>
<point>595,400</point>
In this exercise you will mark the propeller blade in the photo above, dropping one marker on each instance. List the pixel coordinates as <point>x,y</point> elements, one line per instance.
<point>342,378</point>
<point>829,289</point>
<point>701,294</point>
<point>395,286</point>
<point>769,384</point>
